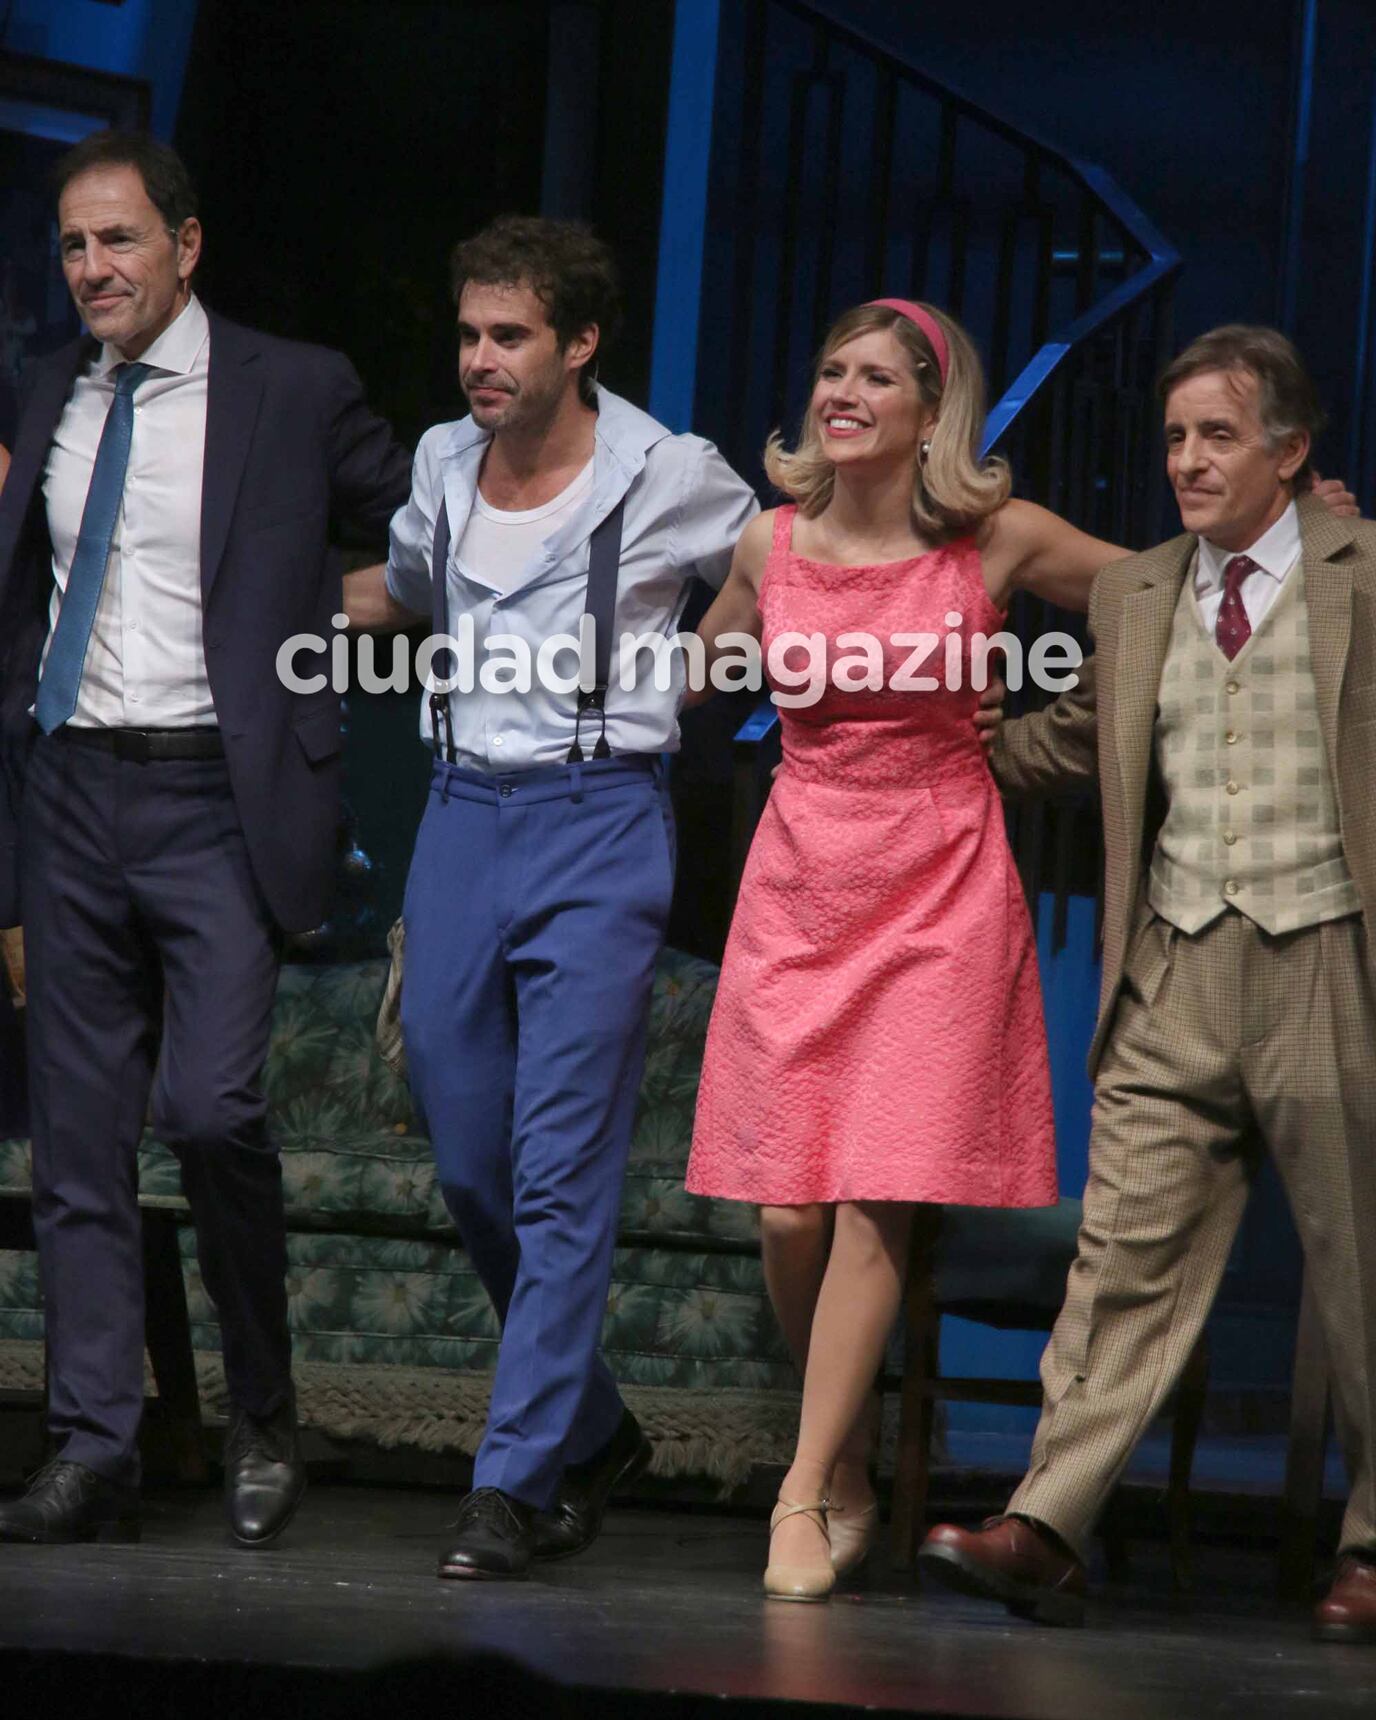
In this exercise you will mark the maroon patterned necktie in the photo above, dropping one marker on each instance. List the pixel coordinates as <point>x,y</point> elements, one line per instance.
<point>1233,629</point>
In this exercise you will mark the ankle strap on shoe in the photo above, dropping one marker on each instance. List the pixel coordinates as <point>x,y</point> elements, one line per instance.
<point>789,1509</point>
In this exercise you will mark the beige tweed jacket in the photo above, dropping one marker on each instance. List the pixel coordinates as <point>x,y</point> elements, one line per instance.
<point>1105,725</point>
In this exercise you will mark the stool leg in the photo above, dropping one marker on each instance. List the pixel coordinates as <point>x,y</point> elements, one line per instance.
<point>1113,1534</point>
<point>16,1224</point>
<point>1305,1454</point>
<point>167,1331</point>
<point>921,1328</point>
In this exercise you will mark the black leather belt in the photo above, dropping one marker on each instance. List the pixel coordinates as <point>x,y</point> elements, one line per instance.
<point>140,745</point>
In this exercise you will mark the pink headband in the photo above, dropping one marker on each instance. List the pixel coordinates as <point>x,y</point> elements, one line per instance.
<point>927,323</point>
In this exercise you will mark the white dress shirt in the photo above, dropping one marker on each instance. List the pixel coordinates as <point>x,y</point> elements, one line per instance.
<point>1275,552</point>
<point>145,665</point>
<point>685,509</point>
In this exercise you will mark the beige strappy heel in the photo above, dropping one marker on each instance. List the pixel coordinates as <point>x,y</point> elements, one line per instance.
<point>799,1582</point>
<point>853,1530</point>
<point>852,1535</point>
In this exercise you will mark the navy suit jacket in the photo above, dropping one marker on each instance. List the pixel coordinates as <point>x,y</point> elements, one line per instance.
<point>292,453</point>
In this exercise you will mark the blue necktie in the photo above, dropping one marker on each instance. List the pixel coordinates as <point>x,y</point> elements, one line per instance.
<point>61,679</point>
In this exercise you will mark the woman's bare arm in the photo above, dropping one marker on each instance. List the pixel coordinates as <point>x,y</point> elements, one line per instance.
<point>1028,548</point>
<point>736,607</point>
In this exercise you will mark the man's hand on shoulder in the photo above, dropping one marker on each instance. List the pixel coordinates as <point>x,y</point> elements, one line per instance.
<point>1336,497</point>
<point>989,713</point>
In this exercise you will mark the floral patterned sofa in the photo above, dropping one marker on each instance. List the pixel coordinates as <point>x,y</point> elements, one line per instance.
<point>394,1336</point>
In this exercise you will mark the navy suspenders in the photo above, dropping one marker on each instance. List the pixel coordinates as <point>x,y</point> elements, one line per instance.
<point>604,565</point>
<point>439,622</point>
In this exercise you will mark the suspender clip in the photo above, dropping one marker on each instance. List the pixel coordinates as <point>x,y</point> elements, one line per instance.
<point>596,700</point>
<point>440,712</point>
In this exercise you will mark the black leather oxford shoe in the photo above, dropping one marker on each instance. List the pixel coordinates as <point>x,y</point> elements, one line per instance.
<point>67,1502</point>
<point>576,1517</point>
<point>495,1538</point>
<point>265,1475</point>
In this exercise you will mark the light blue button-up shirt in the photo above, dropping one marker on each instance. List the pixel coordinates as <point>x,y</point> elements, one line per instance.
<point>685,509</point>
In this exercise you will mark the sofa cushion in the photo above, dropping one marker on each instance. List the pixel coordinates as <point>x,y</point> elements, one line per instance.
<point>654,1202</point>
<point>674,1317</point>
<point>356,1157</point>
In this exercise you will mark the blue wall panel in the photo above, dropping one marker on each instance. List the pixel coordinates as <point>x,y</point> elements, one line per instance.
<point>147,39</point>
<point>682,234</point>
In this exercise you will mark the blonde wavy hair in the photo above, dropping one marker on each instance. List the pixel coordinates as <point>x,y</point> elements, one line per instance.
<point>953,490</point>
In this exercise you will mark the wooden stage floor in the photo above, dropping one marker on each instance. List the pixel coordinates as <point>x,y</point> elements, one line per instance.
<point>662,1616</point>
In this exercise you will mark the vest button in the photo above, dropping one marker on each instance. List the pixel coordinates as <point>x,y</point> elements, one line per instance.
<point>1231,887</point>
<point>1231,737</point>
<point>1230,836</point>
<point>1232,788</point>
<point>1233,687</point>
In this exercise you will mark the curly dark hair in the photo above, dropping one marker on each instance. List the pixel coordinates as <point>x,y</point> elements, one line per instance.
<point>162,170</point>
<point>565,265</point>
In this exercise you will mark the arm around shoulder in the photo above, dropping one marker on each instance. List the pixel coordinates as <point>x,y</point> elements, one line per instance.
<point>370,606</point>
<point>399,595</point>
<point>1054,750</point>
<point>1028,548</point>
<point>369,467</point>
<point>735,611</point>
<point>717,507</point>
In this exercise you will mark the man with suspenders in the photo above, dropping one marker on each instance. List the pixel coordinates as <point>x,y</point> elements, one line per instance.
<point>543,867</point>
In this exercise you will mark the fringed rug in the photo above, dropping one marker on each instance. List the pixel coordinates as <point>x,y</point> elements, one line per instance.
<point>719,1435</point>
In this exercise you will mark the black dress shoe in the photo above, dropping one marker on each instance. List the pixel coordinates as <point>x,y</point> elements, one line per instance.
<point>496,1537</point>
<point>68,1502</point>
<point>265,1475</point>
<point>576,1518</point>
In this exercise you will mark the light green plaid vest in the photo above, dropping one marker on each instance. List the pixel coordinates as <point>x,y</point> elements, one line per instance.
<point>1252,818</point>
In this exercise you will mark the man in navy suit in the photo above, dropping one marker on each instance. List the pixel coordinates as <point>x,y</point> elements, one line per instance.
<point>168,808</point>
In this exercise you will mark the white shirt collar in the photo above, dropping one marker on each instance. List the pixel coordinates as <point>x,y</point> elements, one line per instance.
<point>175,350</point>
<point>1275,552</point>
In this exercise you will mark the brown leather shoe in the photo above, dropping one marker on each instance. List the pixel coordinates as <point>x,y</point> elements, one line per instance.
<point>1011,1560</point>
<point>1347,1613</point>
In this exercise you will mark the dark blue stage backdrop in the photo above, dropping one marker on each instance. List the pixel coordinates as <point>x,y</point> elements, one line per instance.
<point>1246,129</point>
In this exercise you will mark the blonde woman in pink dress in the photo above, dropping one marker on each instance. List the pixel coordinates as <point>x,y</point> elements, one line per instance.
<point>877,1043</point>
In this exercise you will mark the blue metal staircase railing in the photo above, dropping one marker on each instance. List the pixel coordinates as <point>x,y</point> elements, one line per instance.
<point>839,173</point>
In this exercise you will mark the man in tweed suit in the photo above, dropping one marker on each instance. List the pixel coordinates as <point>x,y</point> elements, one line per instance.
<point>1229,713</point>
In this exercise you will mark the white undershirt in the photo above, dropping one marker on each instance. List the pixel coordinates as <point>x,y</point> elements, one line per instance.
<point>145,665</point>
<point>498,547</point>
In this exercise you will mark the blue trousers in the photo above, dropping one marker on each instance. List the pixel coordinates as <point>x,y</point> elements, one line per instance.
<point>535,908</point>
<point>152,967</point>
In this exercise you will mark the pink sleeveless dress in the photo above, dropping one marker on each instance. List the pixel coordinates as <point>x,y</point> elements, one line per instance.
<point>878,1030</point>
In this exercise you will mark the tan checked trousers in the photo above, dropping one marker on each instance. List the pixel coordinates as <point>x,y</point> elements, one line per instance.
<point>1225,1044</point>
